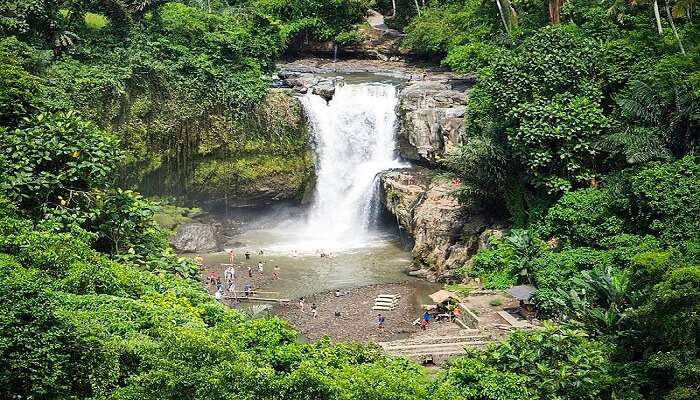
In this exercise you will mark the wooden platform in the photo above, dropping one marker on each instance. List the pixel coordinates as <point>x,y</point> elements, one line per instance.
<point>386,302</point>
<point>253,298</point>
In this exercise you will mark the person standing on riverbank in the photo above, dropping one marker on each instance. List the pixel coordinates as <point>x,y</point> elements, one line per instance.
<point>424,319</point>
<point>247,254</point>
<point>250,271</point>
<point>231,257</point>
<point>314,312</point>
<point>260,267</point>
<point>276,272</point>
<point>301,304</point>
<point>227,275</point>
<point>380,321</point>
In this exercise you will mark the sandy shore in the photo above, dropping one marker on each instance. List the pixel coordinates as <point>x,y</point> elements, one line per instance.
<point>357,321</point>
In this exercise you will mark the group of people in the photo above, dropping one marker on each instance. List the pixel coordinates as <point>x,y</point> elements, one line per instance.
<point>230,275</point>
<point>314,309</point>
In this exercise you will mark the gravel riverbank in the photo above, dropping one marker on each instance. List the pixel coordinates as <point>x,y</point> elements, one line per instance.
<point>357,321</point>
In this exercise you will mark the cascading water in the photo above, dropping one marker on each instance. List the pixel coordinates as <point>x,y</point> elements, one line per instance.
<point>354,141</point>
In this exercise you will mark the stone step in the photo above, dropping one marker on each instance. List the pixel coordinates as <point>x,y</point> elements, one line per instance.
<point>436,346</point>
<point>513,321</point>
<point>432,354</point>
<point>432,340</point>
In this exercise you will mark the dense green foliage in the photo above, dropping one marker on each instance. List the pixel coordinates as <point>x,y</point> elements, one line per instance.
<point>177,82</point>
<point>586,131</point>
<point>584,126</point>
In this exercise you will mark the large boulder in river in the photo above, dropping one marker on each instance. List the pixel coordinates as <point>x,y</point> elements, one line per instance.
<point>195,237</point>
<point>431,117</point>
<point>446,233</point>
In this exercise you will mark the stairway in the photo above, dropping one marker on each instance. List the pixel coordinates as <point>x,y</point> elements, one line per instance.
<point>386,302</point>
<point>421,348</point>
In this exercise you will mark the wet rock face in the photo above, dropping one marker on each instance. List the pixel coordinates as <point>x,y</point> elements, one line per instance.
<point>446,233</point>
<point>431,116</point>
<point>195,238</point>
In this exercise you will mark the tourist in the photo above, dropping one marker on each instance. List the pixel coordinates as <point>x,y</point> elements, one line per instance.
<point>247,290</point>
<point>231,257</point>
<point>218,295</point>
<point>456,312</point>
<point>314,312</point>
<point>250,271</point>
<point>213,278</point>
<point>276,272</point>
<point>219,286</point>
<point>424,319</point>
<point>337,292</point>
<point>301,304</point>
<point>380,321</point>
<point>247,254</point>
<point>227,275</point>
<point>260,267</point>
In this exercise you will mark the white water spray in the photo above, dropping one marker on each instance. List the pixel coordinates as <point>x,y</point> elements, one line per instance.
<point>354,140</point>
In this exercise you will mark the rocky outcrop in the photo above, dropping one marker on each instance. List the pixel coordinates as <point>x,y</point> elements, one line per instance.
<point>303,82</point>
<point>431,116</point>
<point>195,237</point>
<point>446,233</point>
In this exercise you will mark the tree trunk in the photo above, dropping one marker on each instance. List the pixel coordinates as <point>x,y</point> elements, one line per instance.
<point>673,28</point>
<point>657,15</point>
<point>503,16</point>
<point>417,7</point>
<point>555,11</point>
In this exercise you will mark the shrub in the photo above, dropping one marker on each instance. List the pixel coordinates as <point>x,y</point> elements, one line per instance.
<point>582,218</point>
<point>663,200</point>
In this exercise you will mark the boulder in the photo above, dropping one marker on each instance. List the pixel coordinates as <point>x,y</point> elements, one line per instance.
<point>195,237</point>
<point>325,89</point>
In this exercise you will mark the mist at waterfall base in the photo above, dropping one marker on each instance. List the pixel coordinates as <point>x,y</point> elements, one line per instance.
<point>354,140</point>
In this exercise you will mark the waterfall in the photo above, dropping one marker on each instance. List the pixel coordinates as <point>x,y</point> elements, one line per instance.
<point>354,140</point>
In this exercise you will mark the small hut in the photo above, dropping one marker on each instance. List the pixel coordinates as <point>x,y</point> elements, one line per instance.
<point>523,293</point>
<point>442,296</point>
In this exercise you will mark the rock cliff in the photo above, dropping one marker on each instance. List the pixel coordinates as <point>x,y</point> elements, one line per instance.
<point>252,160</point>
<point>431,116</point>
<point>446,233</point>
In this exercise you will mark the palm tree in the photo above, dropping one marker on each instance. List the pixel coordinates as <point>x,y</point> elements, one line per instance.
<point>673,27</point>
